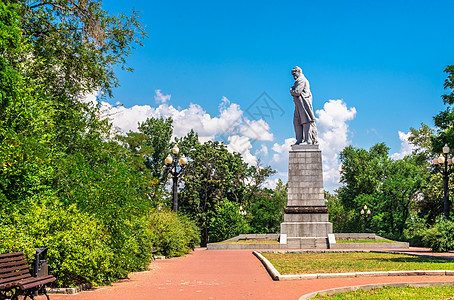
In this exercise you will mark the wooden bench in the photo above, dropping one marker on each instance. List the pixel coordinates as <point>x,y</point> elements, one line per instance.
<point>15,278</point>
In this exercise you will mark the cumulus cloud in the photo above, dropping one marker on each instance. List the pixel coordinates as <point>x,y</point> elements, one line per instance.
<point>230,125</point>
<point>256,130</point>
<point>159,97</point>
<point>262,151</point>
<point>282,150</point>
<point>333,136</point>
<point>242,145</point>
<point>405,147</point>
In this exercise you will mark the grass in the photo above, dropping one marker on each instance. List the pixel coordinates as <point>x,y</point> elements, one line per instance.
<point>365,241</point>
<point>250,242</point>
<point>407,293</point>
<point>310,263</point>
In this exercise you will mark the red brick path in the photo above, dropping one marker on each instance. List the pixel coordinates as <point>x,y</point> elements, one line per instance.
<point>221,274</point>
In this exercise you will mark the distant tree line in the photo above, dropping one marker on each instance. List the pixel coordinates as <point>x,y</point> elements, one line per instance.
<point>405,195</point>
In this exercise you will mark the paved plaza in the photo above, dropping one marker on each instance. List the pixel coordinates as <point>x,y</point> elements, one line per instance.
<point>223,274</point>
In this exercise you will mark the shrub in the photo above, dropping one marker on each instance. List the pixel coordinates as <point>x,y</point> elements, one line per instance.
<point>173,235</point>
<point>440,237</point>
<point>77,251</point>
<point>81,249</point>
<point>226,222</point>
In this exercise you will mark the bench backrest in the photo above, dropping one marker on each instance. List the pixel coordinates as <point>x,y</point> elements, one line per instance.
<point>13,267</point>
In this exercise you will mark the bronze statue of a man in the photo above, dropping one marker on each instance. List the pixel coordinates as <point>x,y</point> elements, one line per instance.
<point>303,118</point>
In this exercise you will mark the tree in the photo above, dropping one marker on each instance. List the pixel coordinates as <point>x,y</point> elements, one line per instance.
<point>390,188</point>
<point>429,143</point>
<point>342,219</point>
<point>226,221</point>
<point>266,213</point>
<point>212,175</point>
<point>159,133</point>
<point>444,121</point>
<point>362,173</point>
<point>398,195</point>
<point>257,176</point>
<point>77,44</point>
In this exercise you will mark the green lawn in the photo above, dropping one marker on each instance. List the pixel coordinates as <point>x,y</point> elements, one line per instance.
<point>410,293</point>
<point>250,242</point>
<point>365,241</point>
<point>310,263</point>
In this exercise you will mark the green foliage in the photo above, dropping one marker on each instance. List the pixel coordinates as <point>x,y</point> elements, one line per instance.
<point>66,183</point>
<point>362,174</point>
<point>398,195</point>
<point>389,188</point>
<point>415,229</point>
<point>172,234</point>
<point>213,174</point>
<point>80,44</point>
<point>440,237</point>
<point>76,242</point>
<point>158,133</point>
<point>266,214</point>
<point>444,120</point>
<point>10,37</point>
<point>343,220</point>
<point>226,222</point>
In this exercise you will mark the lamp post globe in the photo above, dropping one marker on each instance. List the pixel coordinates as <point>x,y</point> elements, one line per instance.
<point>175,165</point>
<point>365,213</point>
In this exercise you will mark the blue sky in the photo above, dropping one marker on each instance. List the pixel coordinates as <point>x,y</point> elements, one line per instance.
<point>380,62</point>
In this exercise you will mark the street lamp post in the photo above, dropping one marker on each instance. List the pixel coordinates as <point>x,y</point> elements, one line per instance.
<point>444,165</point>
<point>175,165</point>
<point>366,213</point>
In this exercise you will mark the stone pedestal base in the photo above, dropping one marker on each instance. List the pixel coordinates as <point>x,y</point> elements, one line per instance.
<point>307,229</point>
<point>306,215</point>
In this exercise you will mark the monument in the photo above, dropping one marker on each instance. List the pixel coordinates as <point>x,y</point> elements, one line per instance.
<point>306,222</point>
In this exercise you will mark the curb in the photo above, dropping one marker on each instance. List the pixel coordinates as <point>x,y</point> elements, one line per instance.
<point>275,275</point>
<point>268,266</point>
<point>74,290</point>
<point>373,286</point>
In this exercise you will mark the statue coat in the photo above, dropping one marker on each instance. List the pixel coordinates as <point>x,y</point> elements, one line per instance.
<point>303,101</point>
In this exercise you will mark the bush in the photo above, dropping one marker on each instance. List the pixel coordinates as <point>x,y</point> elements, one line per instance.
<point>440,237</point>
<point>80,248</point>
<point>172,234</point>
<point>227,222</point>
<point>77,251</point>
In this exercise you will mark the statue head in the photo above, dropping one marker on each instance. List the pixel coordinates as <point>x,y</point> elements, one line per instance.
<point>296,72</point>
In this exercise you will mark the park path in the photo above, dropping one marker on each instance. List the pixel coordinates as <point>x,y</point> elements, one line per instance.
<point>221,274</point>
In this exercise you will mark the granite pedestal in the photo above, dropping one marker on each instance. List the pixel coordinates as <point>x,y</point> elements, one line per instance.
<point>306,215</point>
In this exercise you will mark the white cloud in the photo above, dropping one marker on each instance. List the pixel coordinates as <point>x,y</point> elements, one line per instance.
<point>229,125</point>
<point>159,97</point>
<point>256,130</point>
<point>271,183</point>
<point>333,137</point>
<point>242,145</point>
<point>279,161</point>
<point>281,148</point>
<point>405,147</point>
<point>282,151</point>
<point>263,151</point>
<point>90,98</point>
